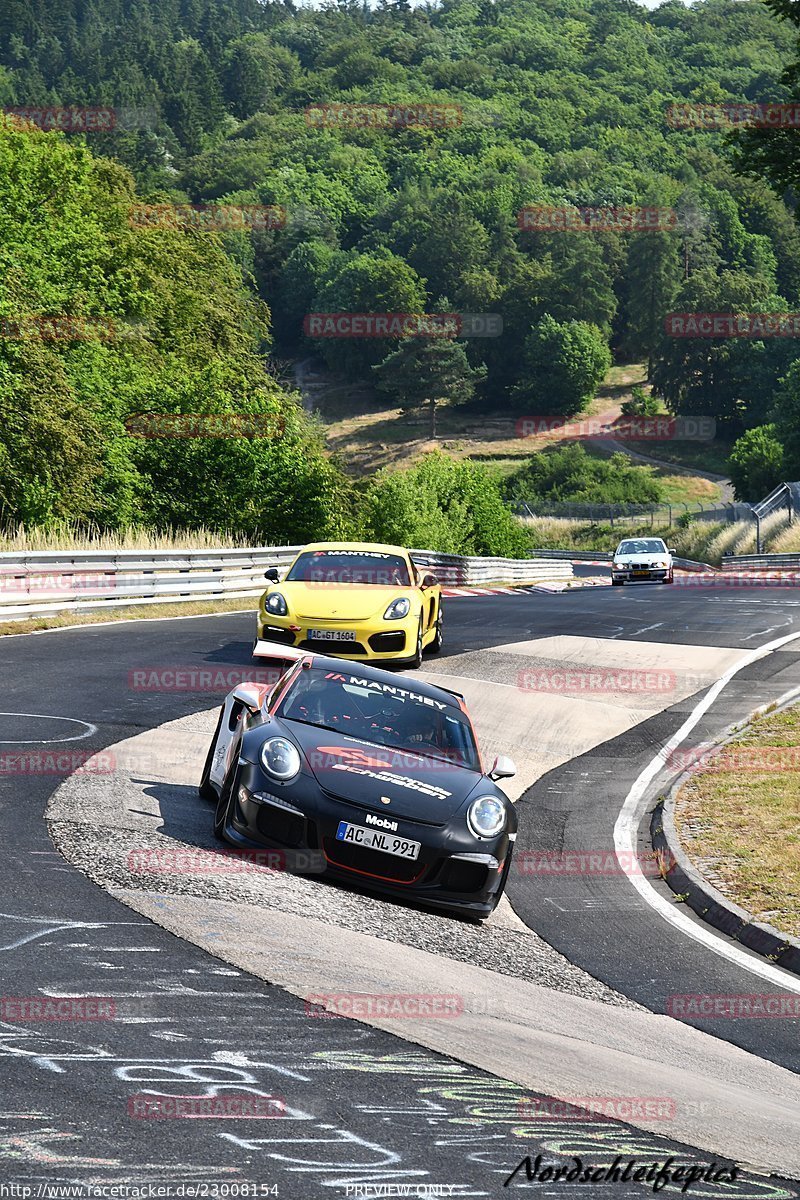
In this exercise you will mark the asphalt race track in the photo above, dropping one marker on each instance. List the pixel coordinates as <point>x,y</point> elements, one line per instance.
<point>362,1107</point>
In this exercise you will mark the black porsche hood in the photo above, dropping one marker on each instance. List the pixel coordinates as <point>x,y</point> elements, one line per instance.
<point>416,786</point>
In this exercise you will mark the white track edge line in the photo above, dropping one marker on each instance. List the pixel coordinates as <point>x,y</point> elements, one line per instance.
<point>628,821</point>
<point>226,612</point>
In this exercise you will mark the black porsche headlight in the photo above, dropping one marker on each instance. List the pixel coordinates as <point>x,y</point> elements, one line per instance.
<point>276,605</point>
<point>486,817</point>
<point>280,758</point>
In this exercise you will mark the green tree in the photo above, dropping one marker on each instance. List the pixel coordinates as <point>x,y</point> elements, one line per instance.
<point>153,319</point>
<point>726,377</point>
<point>563,365</point>
<point>443,504</point>
<point>640,404</point>
<point>570,473</point>
<point>756,463</point>
<point>651,281</point>
<point>428,372</point>
<point>784,415</point>
<point>375,283</point>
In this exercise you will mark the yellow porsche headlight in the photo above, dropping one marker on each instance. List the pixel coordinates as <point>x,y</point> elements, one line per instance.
<point>398,609</point>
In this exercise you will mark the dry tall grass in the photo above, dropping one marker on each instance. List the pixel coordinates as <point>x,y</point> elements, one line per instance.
<point>701,541</point>
<point>136,537</point>
<point>785,539</point>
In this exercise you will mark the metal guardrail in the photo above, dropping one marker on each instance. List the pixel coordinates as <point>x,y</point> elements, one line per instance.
<point>783,496</point>
<point>761,562</point>
<point>602,556</point>
<point>43,582</point>
<point>575,555</point>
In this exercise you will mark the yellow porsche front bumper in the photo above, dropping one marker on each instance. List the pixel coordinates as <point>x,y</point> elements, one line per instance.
<point>360,640</point>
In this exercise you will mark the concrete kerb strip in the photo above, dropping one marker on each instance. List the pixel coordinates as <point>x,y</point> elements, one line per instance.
<point>701,896</point>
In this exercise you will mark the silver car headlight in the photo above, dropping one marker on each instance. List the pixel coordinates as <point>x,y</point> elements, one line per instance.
<point>280,758</point>
<point>276,605</point>
<point>398,609</point>
<point>486,817</point>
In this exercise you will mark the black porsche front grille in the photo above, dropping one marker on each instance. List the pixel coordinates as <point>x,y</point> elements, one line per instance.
<point>373,862</point>
<point>459,875</point>
<point>280,825</point>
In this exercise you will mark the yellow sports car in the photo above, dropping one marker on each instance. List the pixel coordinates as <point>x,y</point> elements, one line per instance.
<point>356,600</point>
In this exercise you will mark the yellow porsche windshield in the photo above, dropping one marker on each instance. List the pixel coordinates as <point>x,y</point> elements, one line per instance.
<point>350,566</point>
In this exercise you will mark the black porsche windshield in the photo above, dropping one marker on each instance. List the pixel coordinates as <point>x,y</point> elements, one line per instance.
<point>350,566</point>
<point>385,714</point>
<point>642,546</point>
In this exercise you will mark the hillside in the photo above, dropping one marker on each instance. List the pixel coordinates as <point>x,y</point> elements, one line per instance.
<point>470,112</point>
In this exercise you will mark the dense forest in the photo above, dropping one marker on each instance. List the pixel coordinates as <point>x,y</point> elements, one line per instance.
<point>561,104</point>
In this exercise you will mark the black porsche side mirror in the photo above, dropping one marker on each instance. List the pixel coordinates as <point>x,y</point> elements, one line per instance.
<point>272,575</point>
<point>502,768</point>
<point>249,695</point>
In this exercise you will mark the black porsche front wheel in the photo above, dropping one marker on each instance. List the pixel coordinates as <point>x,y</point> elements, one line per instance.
<point>225,802</point>
<point>206,789</point>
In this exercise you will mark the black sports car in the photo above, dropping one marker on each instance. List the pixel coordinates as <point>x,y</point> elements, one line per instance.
<point>356,773</point>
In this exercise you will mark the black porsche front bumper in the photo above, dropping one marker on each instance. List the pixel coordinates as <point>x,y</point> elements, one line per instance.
<point>453,870</point>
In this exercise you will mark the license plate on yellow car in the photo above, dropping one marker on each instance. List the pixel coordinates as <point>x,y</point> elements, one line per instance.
<point>332,635</point>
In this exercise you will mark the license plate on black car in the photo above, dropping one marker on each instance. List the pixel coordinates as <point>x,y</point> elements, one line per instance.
<point>377,839</point>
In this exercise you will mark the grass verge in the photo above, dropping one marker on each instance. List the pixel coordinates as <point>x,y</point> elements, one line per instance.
<point>739,821</point>
<point>136,612</point>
